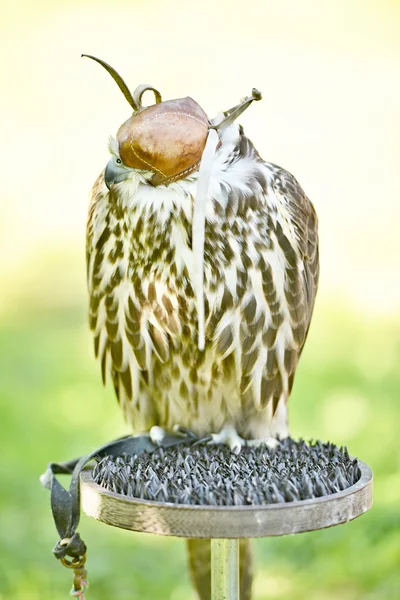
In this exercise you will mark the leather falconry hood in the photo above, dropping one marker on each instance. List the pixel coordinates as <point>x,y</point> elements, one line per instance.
<point>173,139</point>
<point>168,137</point>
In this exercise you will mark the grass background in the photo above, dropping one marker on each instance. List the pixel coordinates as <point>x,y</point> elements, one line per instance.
<point>54,408</point>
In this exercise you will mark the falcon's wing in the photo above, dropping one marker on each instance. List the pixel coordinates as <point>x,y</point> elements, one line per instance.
<point>277,307</point>
<point>303,285</point>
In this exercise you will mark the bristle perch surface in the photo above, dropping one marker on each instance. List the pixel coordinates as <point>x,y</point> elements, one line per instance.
<point>214,475</point>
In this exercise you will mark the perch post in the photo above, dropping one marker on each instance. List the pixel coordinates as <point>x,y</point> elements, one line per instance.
<point>224,569</point>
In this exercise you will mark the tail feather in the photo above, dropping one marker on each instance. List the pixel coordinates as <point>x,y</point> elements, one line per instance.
<point>199,553</point>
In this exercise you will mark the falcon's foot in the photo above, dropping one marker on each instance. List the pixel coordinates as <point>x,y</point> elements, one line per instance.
<point>158,435</point>
<point>229,436</point>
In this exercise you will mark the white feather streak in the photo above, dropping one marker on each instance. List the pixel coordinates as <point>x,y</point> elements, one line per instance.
<point>198,228</point>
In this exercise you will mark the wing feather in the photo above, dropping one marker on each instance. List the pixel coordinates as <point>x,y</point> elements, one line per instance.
<point>289,266</point>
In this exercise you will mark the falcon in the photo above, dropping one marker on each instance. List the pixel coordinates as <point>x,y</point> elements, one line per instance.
<point>258,280</point>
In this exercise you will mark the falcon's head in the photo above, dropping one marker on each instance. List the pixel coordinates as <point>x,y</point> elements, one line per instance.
<point>161,143</point>
<point>116,171</point>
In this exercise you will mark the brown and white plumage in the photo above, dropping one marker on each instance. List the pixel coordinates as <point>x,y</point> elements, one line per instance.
<point>260,282</point>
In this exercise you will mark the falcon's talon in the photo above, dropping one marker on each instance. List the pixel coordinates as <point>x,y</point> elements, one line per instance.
<point>184,432</point>
<point>230,437</point>
<point>157,435</point>
<point>204,440</point>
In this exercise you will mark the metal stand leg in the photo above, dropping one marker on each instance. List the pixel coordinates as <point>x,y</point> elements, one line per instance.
<point>224,569</point>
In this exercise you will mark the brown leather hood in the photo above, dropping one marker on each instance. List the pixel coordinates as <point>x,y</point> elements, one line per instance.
<point>167,138</point>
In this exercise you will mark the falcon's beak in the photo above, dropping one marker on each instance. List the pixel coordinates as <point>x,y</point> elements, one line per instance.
<point>115,173</point>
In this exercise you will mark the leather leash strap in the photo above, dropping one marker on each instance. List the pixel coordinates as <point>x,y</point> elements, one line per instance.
<point>65,503</point>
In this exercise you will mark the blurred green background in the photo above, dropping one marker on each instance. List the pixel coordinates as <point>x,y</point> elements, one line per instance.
<point>330,73</point>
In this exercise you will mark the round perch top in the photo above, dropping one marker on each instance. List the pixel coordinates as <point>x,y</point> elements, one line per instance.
<point>209,491</point>
<point>167,138</point>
